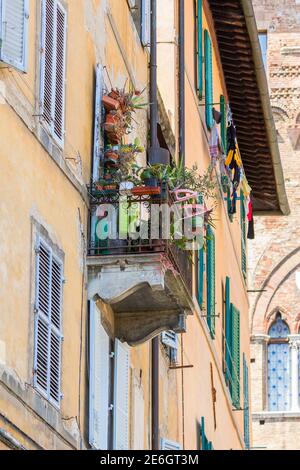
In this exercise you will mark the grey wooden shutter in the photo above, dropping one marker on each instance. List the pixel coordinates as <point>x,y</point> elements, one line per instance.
<point>14,33</point>
<point>99,382</point>
<point>169,338</point>
<point>121,397</point>
<point>54,23</point>
<point>169,445</point>
<point>48,327</point>
<point>146,22</point>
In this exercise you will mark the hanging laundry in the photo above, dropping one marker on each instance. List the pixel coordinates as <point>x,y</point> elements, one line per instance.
<point>250,217</point>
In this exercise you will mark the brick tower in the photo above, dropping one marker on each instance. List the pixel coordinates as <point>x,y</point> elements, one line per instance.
<point>275,253</point>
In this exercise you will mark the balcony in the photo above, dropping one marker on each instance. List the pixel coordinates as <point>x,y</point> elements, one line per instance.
<point>145,279</point>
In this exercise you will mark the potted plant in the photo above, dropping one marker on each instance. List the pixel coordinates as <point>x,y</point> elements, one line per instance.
<point>110,103</point>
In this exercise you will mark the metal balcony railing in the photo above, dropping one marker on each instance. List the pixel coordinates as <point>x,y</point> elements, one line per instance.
<point>123,224</point>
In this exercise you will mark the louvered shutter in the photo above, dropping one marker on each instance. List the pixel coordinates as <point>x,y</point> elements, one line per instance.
<point>98,382</point>
<point>14,33</point>
<point>235,353</point>
<point>48,327</point>
<point>98,134</point>
<point>208,80</point>
<point>204,441</point>
<point>223,122</point>
<point>121,397</point>
<point>199,49</point>
<point>200,276</point>
<point>211,287</point>
<point>146,22</point>
<point>169,445</point>
<point>246,403</point>
<point>54,23</point>
<point>227,332</point>
<point>243,236</point>
<point>169,338</point>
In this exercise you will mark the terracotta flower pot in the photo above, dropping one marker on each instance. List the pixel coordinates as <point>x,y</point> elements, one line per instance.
<point>111,155</point>
<point>112,118</point>
<point>146,190</point>
<point>110,104</point>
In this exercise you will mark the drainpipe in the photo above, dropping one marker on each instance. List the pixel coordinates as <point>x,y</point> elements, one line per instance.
<point>153,78</point>
<point>181,83</point>
<point>153,149</point>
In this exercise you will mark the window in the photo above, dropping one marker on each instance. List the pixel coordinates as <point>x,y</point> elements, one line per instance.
<point>223,122</point>
<point>199,30</point>
<point>209,98</point>
<point>279,376</point>
<point>99,382</point>
<point>246,403</point>
<point>232,343</point>
<point>170,341</point>
<point>48,322</point>
<point>169,445</point>
<point>211,280</point>
<point>141,14</point>
<point>205,443</point>
<point>243,215</point>
<point>201,270</point>
<point>121,396</point>
<point>263,40</point>
<point>53,62</point>
<point>14,32</point>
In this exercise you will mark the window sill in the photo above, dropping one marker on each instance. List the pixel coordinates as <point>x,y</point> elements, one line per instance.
<point>276,415</point>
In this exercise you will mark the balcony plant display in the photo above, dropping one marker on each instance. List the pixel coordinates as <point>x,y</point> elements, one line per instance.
<point>120,107</point>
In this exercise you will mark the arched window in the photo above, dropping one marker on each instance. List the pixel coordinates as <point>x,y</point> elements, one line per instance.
<point>279,387</point>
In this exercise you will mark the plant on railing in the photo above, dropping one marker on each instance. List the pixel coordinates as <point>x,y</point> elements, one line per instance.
<point>120,107</point>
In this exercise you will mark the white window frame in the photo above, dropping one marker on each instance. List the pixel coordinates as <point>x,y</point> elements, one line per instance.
<point>22,66</point>
<point>40,316</point>
<point>51,128</point>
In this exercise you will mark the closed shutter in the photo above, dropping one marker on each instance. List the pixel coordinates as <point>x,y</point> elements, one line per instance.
<point>208,80</point>
<point>246,403</point>
<point>223,122</point>
<point>48,323</point>
<point>98,382</point>
<point>243,236</point>
<point>121,397</point>
<point>211,281</point>
<point>14,33</point>
<point>199,49</point>
<point>146,22</point>
<point>200,276</point>
<point>54,24</point>
<point>169,445</point>
<point>235,353</point>
<point>98,134</point>
<point>169,338</point>
<point>228,365</point>
<point>205,443</point>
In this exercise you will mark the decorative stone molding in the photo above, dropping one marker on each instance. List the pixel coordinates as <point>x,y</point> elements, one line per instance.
<point>143,296</point>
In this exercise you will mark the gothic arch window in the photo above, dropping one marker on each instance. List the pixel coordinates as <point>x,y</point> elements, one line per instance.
<point>279,383</point>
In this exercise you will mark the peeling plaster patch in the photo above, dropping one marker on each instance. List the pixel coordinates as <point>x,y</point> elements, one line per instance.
<point>94,19</point>
<point>2,352</point>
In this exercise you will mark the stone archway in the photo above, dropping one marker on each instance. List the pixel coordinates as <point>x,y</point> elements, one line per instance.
<point>273,281</point>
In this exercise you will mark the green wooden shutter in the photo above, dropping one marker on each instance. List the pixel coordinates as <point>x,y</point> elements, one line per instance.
<point>205,443</point>
<point>246,403</point>
<point>223,122</point>
<point>235,354</point>
<point>211,281</point>
<point>243,236</point>
<point>227,332</point>
<point>199,49</point>
<point>208,80</point>
<point>200,276</point>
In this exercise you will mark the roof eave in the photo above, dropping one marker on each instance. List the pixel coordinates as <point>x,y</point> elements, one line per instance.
<point>266,106</point>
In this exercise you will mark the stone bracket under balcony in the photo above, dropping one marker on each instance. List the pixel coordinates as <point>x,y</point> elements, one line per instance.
<point>146,295</point>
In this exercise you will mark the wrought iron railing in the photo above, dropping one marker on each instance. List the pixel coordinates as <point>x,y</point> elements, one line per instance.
<point>134,211</point>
